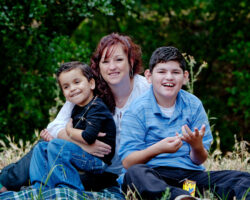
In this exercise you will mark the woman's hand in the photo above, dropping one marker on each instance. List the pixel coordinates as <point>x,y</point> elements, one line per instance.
<point>98,148</point>
<point>45,135</point>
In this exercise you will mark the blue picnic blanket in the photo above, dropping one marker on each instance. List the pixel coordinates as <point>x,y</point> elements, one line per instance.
<point>112,193</point>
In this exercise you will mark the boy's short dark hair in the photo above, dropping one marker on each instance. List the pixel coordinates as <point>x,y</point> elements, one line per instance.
<point>165,54</point>
<point>65,67</point>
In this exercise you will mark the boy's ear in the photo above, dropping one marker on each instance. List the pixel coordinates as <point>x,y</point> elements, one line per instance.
<point>148,75</point>
<point>186,79</point>
<point>92,84</point>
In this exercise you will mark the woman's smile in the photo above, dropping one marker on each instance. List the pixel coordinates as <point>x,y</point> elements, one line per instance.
<point>115,68</point>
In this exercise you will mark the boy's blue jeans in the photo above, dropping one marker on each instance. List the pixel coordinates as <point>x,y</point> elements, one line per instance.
<point>58,161</point>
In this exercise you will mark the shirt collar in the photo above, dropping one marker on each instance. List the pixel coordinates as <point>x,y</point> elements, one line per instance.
<point>156,109</point>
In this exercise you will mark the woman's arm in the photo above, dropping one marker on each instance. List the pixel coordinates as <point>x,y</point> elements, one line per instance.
<point>61,119</point>
<point>57,129</point>
<point>98,148</point>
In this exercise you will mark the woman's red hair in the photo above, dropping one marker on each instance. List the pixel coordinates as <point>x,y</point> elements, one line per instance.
<point>133,52</point>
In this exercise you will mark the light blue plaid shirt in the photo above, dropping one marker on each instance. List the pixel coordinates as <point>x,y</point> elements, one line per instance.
<point>144,124</point>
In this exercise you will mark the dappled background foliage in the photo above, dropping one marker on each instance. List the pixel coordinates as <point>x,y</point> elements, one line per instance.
<point>36,36</point>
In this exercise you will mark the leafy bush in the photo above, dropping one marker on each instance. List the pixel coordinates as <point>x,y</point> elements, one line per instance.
<point>35,37</point>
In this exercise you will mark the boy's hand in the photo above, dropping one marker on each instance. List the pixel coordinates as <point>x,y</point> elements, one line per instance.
<point>69,125</point>
<point>45,135</point>
<point>169,145</point>
<point>166,145</point>
<point>198,153</point>
<point>193,138</point>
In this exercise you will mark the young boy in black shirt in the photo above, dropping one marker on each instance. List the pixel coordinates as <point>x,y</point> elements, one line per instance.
<point>90,116</point>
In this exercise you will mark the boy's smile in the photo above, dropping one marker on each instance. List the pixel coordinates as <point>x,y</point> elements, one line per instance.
<point>167,79</point>
<point>76,87</point>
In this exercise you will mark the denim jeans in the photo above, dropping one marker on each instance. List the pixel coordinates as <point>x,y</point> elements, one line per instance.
<point>59,161</point>
<point>16,175</point>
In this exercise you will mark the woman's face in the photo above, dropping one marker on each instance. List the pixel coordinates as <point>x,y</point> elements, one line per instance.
<point>115,69</point>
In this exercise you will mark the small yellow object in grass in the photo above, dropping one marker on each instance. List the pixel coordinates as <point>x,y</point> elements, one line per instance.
<point>189,186</point>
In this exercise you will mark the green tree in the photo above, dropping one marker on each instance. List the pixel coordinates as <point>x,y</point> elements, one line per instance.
<point>35,36</point>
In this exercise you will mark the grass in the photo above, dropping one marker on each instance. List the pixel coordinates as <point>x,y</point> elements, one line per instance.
<point>14,151</point>
<point>238,159</point>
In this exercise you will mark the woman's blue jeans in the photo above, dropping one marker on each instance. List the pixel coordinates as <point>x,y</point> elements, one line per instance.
<point>56,164</point>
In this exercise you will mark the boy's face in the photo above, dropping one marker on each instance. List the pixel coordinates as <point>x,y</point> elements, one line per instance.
<point>76,87</point>
<point>167,79</point>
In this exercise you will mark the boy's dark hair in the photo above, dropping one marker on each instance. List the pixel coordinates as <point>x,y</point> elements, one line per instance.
<point>65,67</point>
<point>165,54</point>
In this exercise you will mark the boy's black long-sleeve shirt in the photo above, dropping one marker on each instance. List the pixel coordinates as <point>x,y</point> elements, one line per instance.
<point>97,118</point>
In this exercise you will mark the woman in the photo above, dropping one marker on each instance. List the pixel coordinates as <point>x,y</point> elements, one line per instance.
<point>116,64</point>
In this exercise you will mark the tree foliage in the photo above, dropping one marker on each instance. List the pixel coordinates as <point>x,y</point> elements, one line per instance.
<point>36,36</point>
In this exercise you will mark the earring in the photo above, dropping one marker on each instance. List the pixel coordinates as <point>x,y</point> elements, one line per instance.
<point>131,73</point>
<point>100,77</point>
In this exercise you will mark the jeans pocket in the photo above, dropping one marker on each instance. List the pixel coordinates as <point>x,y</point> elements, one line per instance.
<point>89,163</point>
